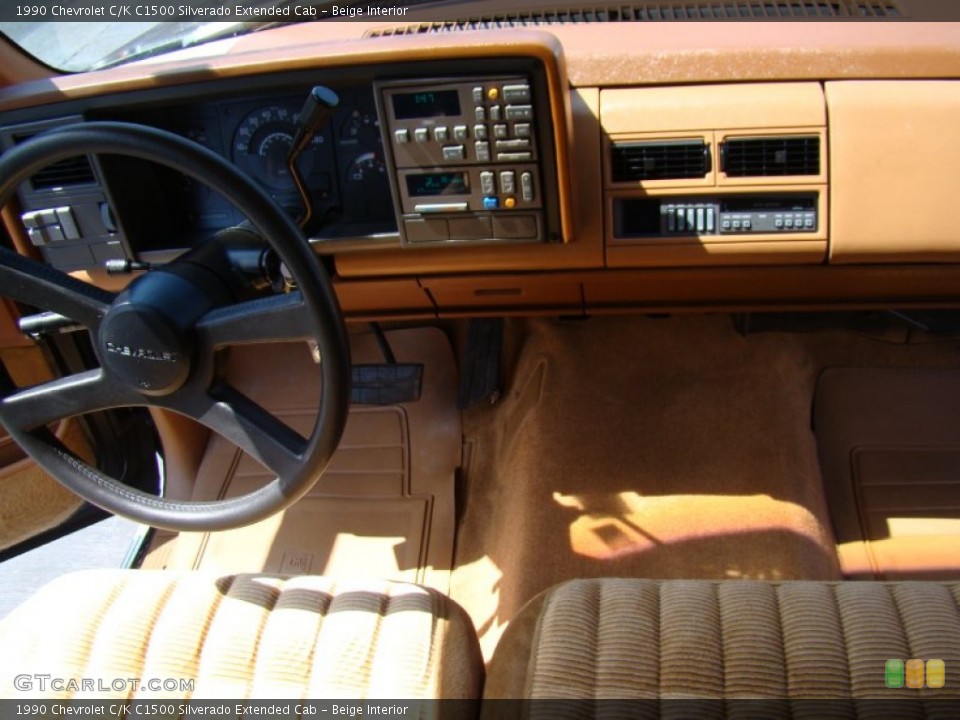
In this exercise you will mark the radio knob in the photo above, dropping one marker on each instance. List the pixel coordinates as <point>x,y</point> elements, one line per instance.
<point>526,187</point>
<point>487,183</point>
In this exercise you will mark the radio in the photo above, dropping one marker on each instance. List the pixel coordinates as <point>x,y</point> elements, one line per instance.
<point>465,158</point>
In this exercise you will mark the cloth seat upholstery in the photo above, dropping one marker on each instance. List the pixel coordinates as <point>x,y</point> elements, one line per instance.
<point>241,637</point>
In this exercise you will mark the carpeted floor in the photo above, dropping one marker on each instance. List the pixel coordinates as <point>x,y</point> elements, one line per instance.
<point>653,447</point>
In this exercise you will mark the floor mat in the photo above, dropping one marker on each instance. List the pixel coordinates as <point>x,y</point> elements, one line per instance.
<point>889,445</point>
<point>385,506</point>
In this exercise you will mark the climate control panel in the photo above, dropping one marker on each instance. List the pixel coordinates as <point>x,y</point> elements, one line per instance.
<point>465,158</point>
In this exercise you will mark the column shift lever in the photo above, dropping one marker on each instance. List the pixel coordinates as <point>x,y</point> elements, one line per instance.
<point>313,117</point>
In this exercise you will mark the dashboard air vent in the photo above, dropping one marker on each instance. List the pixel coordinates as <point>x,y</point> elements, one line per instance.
<point>654,11</point>
<point>770,156</point>
<point>66,173</point>
<point>659,160</point>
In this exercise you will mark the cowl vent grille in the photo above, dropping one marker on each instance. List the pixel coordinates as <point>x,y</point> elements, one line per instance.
<point>678,10</point>
<point>770,156</point>
<point>659,160</point>
<point>66,173</point>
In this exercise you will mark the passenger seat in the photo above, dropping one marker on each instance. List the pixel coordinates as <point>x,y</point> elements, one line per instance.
<point>674,639</point>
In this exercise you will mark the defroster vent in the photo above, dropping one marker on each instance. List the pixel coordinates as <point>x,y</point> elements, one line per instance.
<point>770,156</point>
<point>659,160</point>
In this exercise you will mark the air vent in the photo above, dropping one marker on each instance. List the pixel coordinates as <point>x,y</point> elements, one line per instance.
<point>770,156</point>
<point>660,160</point>
<point>66,173</point>
<point>661,11</point>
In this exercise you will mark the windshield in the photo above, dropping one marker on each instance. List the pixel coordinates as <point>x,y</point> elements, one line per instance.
<point>71,46</point>
<point>82,35</point>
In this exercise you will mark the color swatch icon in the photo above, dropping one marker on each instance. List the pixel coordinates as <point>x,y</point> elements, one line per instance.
<point>914,672</point>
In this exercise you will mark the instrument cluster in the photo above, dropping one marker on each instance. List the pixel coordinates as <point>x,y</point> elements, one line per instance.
<point>343,167</point>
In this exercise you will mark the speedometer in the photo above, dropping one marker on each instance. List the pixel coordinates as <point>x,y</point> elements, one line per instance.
<point>262,142</point>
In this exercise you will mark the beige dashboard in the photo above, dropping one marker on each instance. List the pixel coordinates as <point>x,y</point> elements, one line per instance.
<point>874,106</point>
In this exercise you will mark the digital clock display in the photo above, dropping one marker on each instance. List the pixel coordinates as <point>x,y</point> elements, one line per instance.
<point>431,184</point>
<point>426,104</point>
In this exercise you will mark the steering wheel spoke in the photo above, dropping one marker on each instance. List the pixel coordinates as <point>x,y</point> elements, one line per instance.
<point>73,395</point>
<point>40,285</point>
<point>268,319</point>
<point>249,426</point>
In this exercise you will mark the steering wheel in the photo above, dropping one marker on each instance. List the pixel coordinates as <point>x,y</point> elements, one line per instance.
<point>157,340</point>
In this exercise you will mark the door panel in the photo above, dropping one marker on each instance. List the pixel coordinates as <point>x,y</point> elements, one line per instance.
<point>31,501</point>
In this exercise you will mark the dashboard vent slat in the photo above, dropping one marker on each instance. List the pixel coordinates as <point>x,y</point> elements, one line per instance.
<point>770,156</point>
<point>659,11</point>
<point>66,173</point>
<point>659,160</point>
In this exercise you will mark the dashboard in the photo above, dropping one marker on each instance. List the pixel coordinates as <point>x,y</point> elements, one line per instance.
<point>402,159</point>
<point>582,170</point>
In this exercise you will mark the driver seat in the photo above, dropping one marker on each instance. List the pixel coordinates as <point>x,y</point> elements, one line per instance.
<point>239,637</point>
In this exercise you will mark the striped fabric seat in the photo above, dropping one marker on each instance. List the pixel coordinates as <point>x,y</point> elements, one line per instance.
<point>678,639</point>
<point>237,637</point>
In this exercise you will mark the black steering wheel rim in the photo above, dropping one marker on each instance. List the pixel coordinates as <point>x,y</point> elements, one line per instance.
<point>309,313</point>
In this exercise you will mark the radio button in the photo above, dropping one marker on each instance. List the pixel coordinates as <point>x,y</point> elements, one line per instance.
<point>421,134</point>
<point>526,187</point>
<point>460,132</point>
<point>508,182</point>
<point>516,93</point>
<point>522,130</point>
<point>480,132</point>
<point>441,133</point>
<point>483,151</point>
<point>453,152</point>
<point>488,183</point>
<point>401,136</point>
<point>519,112</point>
<point>500,131</point>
